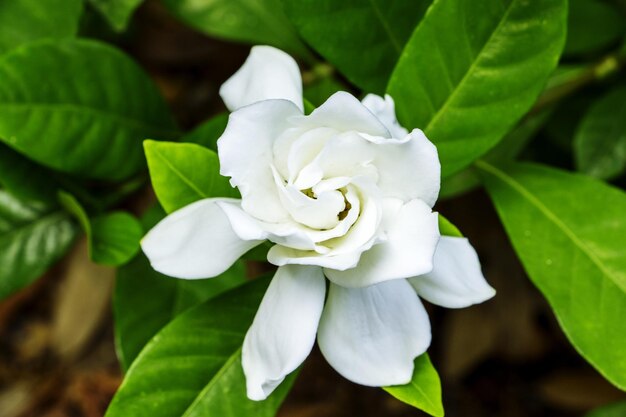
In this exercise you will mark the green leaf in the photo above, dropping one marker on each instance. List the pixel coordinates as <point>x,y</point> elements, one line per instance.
<point>467,87</point>
<point>192,367</point>
<point>592,25</point>
<point>14,168</point>
<point>362,38</point>
<point>611,410</point>
<point>208,132</point>
<point>506,150</point>
<point>23,21</point>
<point>116,237</point>
<point>258,253</point>
<point>250,21</point>
<point>308,107</point>
<point>145,301</point>
<point>113,237</point>
<point>87,115</point>
<point>116,12</point>
<point>446,228</point>
<point>182,173</point>
<point>570,233</point>
<point>600,141</point>
<point>44,184</point>
<point>33,236</point>
<point>424,390</point>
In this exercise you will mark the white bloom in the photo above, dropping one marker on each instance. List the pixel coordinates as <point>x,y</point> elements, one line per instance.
<point>344,193</point>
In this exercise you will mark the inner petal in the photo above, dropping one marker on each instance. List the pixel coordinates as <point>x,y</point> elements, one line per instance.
<point>347,218</point>
<point>347,155</point>
<point>365,230</point>
<point>296,147</point>
<point>319,212</point>
<point>305,148</point>
<point>311,210</point>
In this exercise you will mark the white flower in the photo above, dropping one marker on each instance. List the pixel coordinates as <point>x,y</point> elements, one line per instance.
<point>344,193</point>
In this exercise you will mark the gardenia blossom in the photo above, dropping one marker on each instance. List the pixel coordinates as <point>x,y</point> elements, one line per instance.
<point>344,194</point>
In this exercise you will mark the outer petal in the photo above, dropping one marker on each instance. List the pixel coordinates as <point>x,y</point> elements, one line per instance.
<point>408,168</point>
<point>372,335</point>
<point>268,73</point>
<point>283,332</point>
<point>196,241</point>
<point>412,235</point>
<point>385,110</point>
<point>456,280</point>
<point>245,152</point>
<point>281,255</point>
<point>344,112</point>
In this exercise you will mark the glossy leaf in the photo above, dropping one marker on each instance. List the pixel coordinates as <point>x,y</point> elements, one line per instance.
<point>592,25</point>
<point>116,237</point>
<point>362,38</point>
<point>466,87</point>
<point>308,107</point>
<point>87,115</point>
<point>23,21</point>
<point>570,233</point>
<point>506,150</point>
<point>33,236</point>
<point>182,173</point>
<point>193,366</point>
<point>116,12</point>
<point>600,141</point>
<point>424,390</point>
<point>113,237</point>
<point>145,301</point>
<point>446,228</point>
<point>250,21</point>
<point>43,184</point>
<point>15,167</point>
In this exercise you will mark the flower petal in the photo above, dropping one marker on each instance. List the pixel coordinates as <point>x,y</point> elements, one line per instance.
<point>283,332</point>
<point>340,252</point>
<point>456,280</point>
<point>346,155</point>
<point>194,242</point>
<point>304,150</point>
<point>268,73</point>
<point>282,255</point>
<point>250,228</point>
<point>412,235</point>
<point>245,153</point>
<point>408,168</point>
<point>385,110</point>
<point>319,212</point>
<point>372,335</point>
<point>344,112</point>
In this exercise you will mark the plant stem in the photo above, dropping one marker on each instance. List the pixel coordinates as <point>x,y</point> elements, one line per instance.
<point>605,68</point>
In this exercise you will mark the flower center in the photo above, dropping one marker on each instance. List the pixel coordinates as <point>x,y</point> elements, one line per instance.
<point>309,193</point>
<point>343,214</point>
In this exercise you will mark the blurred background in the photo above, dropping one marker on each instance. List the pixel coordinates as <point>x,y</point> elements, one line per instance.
<point>506,357</point>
